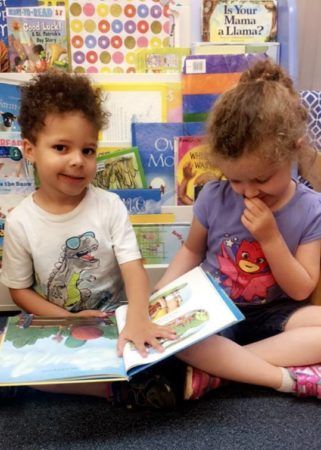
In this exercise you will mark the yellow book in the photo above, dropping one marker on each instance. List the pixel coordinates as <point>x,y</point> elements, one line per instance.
<point>152,218</point>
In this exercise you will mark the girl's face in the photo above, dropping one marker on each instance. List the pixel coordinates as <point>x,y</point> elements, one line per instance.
<point>65,158</point>
<point>252,177</point>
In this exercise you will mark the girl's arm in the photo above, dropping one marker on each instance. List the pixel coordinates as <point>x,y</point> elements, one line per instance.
<point>296,275</point>
<point>139,329</point>
<point>191,254</point>
<point>28,300</point>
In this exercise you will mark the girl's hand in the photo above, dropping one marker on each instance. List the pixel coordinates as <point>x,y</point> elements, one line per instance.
<point>258,219</point>
<point>142,333</point>
<point>90,313</point>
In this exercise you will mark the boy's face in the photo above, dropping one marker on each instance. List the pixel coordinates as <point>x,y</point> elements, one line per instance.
<point>65,157</point>
<point>250,176</point>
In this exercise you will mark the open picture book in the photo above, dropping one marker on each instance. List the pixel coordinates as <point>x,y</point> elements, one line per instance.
<point>46,350</point>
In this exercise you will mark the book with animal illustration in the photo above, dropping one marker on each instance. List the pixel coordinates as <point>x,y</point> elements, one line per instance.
<point>9,107</point>
<point>37,38</point>
<point>121,169</point>
<point>239,20</point>
<point>44,350</point>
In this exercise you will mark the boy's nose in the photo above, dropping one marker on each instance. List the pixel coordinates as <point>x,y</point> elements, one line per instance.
<point>77,158</point>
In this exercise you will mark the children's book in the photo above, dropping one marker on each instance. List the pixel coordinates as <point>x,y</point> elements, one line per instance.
<point>121,169</point>
<point>205,77</point>
<point>152,218</point>
<point>239,20</point>
<point>140,201</point>
<point>10,139</point>
<point>44,350</point>
<point>193,168</point>
<point>155,142</point>
<point>9,107</point>
<point>12,163</point>
<point>160,60</point>
<point>159,243</point>
<point>270,49</point>
<point>37,38</point>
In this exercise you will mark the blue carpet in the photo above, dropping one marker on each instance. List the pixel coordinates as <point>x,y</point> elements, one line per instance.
<point>234,417</point>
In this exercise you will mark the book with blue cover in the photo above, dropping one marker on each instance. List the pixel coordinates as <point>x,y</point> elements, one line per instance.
<point>46,350</point>
<point>155,142</point>
<point>140,201</point>
<point>9,107</point>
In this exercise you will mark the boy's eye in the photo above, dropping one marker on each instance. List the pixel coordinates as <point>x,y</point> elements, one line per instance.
<point>59,147</point>
<point>89,151</point>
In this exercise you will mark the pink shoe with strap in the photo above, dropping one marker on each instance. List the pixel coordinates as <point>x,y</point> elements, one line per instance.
<point>307,380</point>
<point>199,383</point>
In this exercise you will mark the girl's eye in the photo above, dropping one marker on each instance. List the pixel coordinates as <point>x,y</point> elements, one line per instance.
<point>60,147</point>
<point>89,151</point>
<point>262,181</point>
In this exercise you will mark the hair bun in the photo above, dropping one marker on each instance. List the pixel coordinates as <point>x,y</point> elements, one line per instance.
<point>267,71</point>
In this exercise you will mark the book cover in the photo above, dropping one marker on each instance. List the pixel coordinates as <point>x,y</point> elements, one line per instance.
<point>270,49</point>
<point>105,34</point>
<point>121,169</point>
<point>10,139</point>
<point>160,60</point>
<point>239,20</point>
<point>205,77</point>
<point>37,38</point>
<point>9,107</point>
<point>193,168</point>
<point>152,218</point>
<point>140,201</point>
<point>155,142</point>
<point>159,243</point>
<point>45,350</point>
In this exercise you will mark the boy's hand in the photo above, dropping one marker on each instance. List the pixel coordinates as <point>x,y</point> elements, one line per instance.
<point>142,333</point>
<point>258,219</point>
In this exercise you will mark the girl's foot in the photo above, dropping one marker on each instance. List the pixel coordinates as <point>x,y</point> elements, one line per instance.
<point>199,383</point>
<point>306,380</point>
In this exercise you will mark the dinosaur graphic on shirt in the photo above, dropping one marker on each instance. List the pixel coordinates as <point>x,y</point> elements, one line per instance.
<point>63,287</point>
<point>248,275</point>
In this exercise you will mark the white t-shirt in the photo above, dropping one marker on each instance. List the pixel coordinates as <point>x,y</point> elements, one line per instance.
<point>70,259</point>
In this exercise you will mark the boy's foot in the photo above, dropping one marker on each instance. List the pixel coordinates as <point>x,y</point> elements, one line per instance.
<point>199,383</point>
<point>307,380</point>
<point>8,391</point>
<point>153,392</point>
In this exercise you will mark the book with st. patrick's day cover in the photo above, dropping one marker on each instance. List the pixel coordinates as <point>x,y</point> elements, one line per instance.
<point>45,350</point>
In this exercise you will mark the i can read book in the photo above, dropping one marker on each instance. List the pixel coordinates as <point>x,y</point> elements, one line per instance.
<point>155,142</point>
<point>37,38</point>
<point>239,20</point>
<point>46,350</point>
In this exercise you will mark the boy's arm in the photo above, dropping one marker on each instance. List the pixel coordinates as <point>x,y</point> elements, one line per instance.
<point>190,255</point>
<point>28,300</point>
<point>139,329</point>
<point>296,275</point>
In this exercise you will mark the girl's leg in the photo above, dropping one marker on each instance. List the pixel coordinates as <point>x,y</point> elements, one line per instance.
<point>299,344</point>
<point>226,359</point>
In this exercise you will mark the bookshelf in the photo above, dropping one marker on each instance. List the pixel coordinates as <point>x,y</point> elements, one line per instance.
<point>287,36</point>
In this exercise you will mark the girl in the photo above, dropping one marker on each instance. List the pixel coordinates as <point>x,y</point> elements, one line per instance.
<point>258,234</point>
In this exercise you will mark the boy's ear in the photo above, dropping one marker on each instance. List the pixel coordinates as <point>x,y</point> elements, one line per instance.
<point>28,150</point>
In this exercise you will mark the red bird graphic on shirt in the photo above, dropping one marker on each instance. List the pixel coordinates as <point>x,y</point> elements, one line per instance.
<point>249,276</point>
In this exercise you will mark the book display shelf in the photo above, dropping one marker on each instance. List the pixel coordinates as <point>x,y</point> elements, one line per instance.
<point>127,89</point>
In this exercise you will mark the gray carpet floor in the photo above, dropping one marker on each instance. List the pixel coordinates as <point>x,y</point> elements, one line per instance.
<point>233,417</point>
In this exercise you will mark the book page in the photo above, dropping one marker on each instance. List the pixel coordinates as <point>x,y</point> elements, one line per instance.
<point>192,306</point>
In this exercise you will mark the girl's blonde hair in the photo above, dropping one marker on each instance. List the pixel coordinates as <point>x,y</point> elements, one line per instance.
<point>262,114</point>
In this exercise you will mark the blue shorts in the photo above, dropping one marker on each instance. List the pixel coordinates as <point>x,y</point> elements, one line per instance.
<point>262,321</point>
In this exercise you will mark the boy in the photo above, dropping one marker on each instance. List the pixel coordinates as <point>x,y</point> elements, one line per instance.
<point>69,247</point>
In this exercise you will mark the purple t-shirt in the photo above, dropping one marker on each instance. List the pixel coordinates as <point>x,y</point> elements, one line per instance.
<point>233,256</point>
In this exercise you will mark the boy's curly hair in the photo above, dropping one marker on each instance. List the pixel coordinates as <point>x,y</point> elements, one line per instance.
<point>261,114</point>
<point>56,92</point>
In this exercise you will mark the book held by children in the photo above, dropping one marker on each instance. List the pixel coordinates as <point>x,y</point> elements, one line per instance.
<point>45,350</point>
